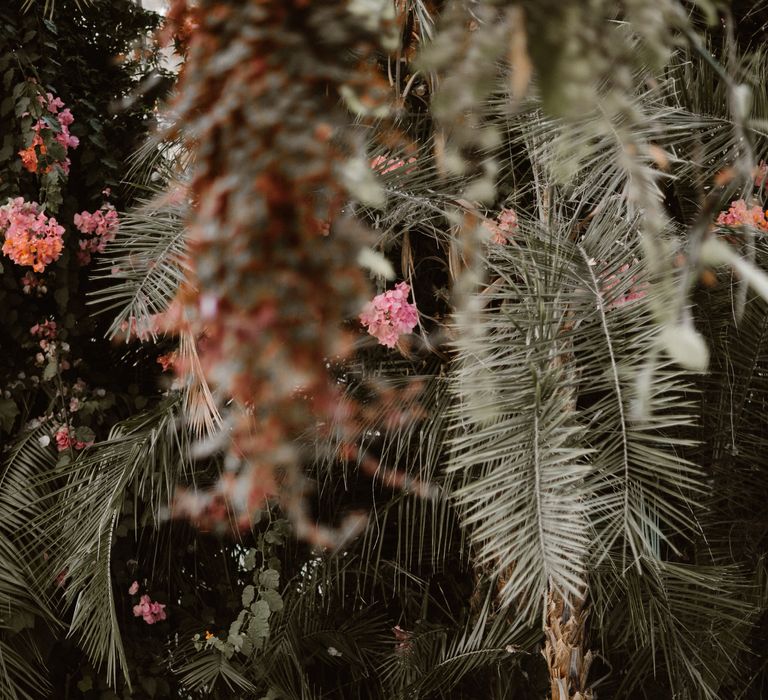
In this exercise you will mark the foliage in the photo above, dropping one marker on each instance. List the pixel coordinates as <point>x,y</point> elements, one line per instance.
<point>549,446</point>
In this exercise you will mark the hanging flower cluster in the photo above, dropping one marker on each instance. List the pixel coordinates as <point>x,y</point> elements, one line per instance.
<point>503,228</point>
<point>31,237</point>
<point>148,609</point>
<point>99,228</point>
<point>387,316</point>
<point>739,215</point>
<point>41,156</point>
<point>266,287</point>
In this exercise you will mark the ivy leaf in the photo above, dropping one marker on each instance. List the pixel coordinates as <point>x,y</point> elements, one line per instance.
<point>7,150</point>
<point>8,412</point>
<point>249,593</point>
<point>260,610</point>
<point>269,578</point>
<point>273,599</point>
<point>236,640</point>
<point>258,631</point>
<point>85,434</point>
<point>50,371</point>
<point>250,560</point>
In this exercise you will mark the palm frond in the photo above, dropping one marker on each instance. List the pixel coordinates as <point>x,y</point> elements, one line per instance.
<point>683,624</point>
<point>144,266</point>
<point>204,671</point>
<point>150,453</point>
<point>516,443</point>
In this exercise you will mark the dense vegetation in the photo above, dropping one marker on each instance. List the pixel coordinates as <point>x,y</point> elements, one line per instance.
<point>388,350</point>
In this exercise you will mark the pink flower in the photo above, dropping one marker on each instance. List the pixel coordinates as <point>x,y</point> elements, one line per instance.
<point>637,291</point>
<point>99,228</point>
<point>65,117</point>
<point>503,228</point>
<point>43,135</point>
<point>61,577</point>
<point>386,165</point>
<point>46,329</point>
<point>387,316</point>
<point>65,439</point>
<point>760,174</point>
<point>403,638</point>
<point>134,589</point>
<point>31,237</point>
<point>150,611</point>
<point>54,103</point>
<point>739,215</point>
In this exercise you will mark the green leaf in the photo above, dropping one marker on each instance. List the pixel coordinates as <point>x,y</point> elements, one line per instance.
<point>249,562</point>
<point>273,598</point>
<point>8,412</point>
<point>258,629</point>
<point>85,434</point>
<point>269,578</point>
<point>249,593</point>
<point>7,149</point>
<point>50,370</point>
<point>260,610</point>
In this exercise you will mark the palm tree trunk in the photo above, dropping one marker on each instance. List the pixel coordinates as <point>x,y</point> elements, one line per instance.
<point>565,632</point>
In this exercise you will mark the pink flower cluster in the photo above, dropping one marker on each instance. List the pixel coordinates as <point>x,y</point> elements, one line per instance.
<point>503,228</point>
<point>65,439</point>
<point>151,611</point>
<point>46,329</point>
<point>31,237</point>
<point>389,315</point>
<point>42,139</point>
<point>65,119</point>
<point>739,215</point>
<point>100,227</point>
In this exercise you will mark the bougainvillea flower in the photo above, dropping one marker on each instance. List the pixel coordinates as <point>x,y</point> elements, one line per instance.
<point>387,316</point>
<point>31,237</point>
<point>739,215</point>
<point>98,228</point>
<point>503,228</point>
<point>150,611</point>
<point>134,589</point>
